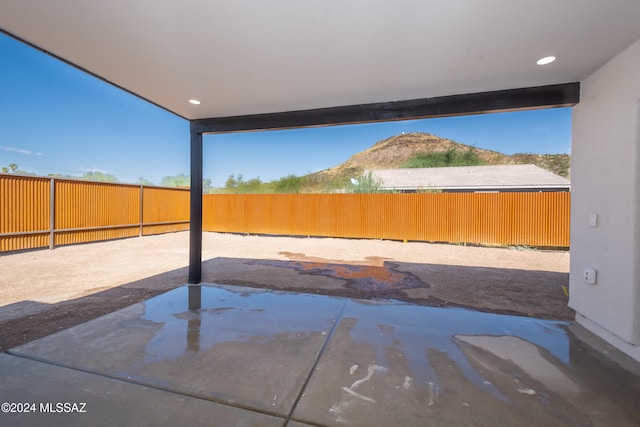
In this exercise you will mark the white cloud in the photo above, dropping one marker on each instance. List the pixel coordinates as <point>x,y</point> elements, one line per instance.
<point>16,150</point>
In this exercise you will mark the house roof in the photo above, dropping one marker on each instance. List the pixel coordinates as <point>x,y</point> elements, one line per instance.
<point>471,178</point>
<point>243,57</point>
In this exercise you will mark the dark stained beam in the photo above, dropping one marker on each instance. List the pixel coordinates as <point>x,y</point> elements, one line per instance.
<point>195,227</point>
<point>562,95</point>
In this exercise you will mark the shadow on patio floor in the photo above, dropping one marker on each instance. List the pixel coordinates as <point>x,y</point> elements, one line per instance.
<point>505,291</point>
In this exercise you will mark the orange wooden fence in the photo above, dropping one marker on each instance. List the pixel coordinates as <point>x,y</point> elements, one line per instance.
<point>39,212</point>
<point>528,219</point>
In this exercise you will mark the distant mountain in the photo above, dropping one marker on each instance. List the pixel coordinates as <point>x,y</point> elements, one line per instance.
<point>392,152</point>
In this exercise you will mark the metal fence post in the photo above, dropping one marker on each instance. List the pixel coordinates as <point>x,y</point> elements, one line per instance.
<point>141,209</point>
<point>52,212</point>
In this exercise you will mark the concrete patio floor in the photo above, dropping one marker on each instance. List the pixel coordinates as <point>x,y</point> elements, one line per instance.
<point>234,356</point>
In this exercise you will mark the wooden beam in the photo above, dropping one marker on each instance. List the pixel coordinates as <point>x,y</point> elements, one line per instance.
<point>562,95</point>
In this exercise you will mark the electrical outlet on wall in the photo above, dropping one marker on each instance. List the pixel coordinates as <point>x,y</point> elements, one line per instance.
<point>590,276</point>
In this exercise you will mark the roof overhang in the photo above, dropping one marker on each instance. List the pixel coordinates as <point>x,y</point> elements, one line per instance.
<point>254,58</point>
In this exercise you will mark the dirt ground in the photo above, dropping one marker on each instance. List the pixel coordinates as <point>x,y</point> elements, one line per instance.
<point>44,291</point>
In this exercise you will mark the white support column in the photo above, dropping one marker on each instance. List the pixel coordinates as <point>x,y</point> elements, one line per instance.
<point>605,202</point>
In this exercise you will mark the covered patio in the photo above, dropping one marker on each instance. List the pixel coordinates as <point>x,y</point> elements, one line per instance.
<point>234,356</point>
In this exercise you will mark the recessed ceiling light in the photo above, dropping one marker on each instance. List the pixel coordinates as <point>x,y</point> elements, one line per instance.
<point>546,60</point>
<point>194,101</point>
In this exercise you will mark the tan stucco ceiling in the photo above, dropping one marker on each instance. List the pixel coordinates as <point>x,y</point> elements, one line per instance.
<point>246,57</point>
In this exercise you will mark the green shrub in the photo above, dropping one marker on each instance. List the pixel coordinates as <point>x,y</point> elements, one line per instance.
<point>439,159</point>
<point>365,184</point>
<point>289,184</point>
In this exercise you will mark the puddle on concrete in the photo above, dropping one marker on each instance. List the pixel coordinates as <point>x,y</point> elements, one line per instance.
<point>257,348</point>
<point>414,331</point>
<point>195,318</point>
<point>371,275</point>
<point>528,358</point>
<point>495,369</point>
<point>436,358</point>
<point>195,321</point>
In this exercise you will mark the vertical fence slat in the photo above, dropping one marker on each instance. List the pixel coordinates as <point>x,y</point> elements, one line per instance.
<point>82,205</point>
<point>24,208</point>
<point>164,210</point>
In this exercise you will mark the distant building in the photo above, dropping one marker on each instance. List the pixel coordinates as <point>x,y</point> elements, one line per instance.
<point>502,178</point>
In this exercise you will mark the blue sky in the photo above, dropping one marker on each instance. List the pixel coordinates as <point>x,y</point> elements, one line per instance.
<point>56,119</point>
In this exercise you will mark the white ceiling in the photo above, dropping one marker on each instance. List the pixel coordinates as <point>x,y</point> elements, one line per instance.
<point>246,57</point>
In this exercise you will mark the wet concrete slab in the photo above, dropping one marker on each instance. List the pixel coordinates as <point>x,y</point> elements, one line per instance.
<point>50,395</point>
<point>239,346</point>
<point>427,366</point>
<point>299,359</point>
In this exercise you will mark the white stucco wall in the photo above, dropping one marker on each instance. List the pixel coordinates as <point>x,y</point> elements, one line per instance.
<point>606,181</point>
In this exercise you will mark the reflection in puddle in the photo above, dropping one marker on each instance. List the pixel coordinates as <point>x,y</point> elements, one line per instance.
<point>528,358</point>
<point>195,297</point>
<point>388,361</point>
<point>196,318</point>
<point>414,332</point>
